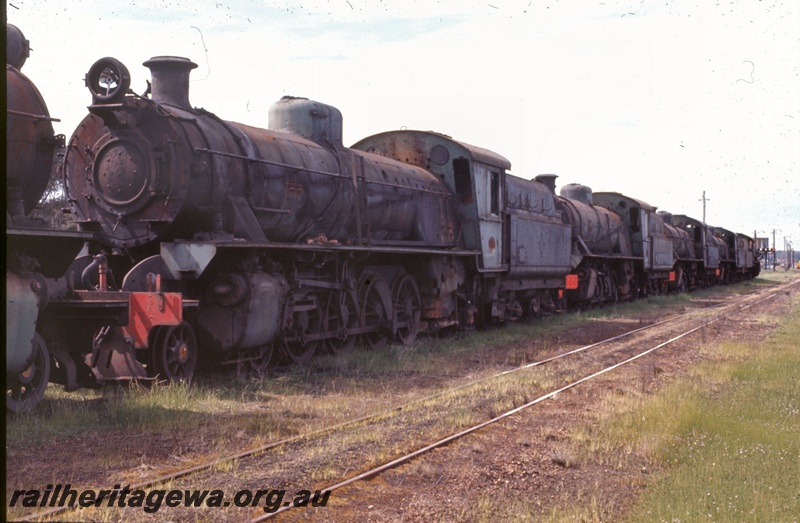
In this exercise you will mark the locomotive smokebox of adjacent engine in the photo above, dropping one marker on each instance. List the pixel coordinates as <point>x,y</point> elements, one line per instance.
<point>29,131</point>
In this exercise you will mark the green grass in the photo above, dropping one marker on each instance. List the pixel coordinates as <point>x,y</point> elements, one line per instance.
<point>720,444</point>
<point>732,452</point>
<point>148,409</point>
<point>724,440</point>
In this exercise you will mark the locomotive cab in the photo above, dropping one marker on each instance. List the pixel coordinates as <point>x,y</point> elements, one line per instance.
<point>687,265</point>
<point>474,175</point>
<point>737,254</point>
<point>646,229</point>
<point>706,246</point>
<point>729,251</point>
<point>650,244</point>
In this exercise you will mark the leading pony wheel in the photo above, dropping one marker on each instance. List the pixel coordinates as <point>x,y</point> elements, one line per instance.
<point>174,352</point>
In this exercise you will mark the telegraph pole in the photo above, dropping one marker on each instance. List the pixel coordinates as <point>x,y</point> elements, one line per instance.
<point>774,252</point>
<point>785,253</point>
<point>704,200</point>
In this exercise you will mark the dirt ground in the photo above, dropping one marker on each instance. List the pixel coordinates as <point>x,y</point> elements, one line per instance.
<point>525,457</point>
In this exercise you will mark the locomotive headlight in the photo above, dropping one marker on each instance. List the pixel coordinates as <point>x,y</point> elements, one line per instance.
<point>108,80</point>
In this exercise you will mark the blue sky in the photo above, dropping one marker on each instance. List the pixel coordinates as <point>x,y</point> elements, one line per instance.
<point>659,100</point>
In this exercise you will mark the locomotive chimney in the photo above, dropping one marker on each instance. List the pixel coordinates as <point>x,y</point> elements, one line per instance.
<point>170,80</point>
<point>548,180</point>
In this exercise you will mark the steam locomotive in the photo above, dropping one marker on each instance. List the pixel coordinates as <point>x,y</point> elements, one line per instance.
<point>30,145</point>
<point>282,241</point>
<point>41,262</point>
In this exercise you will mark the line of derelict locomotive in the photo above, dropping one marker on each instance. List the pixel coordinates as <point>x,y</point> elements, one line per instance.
<point>237,243</point>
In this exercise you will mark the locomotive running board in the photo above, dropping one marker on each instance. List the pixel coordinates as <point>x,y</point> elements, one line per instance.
<point>187,260</point>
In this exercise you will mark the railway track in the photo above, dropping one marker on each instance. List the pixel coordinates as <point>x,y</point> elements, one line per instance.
<point>627,359</point>
<point>625,344</point>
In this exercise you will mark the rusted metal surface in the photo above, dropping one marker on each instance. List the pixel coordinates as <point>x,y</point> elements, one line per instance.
<point>103,331</point>
<point>288,241</point>
<point>645,227</point>
<point>25,296</point>
<point>113,357</point>
<point>150,309</point>
<point>682,244</point>
<point>29,137</point>
<point>539,240</point>
<point>475,177</point>
<point>32,254</point>
<point>241,311</point>
<point>596,231</point>
<point>159,170</point>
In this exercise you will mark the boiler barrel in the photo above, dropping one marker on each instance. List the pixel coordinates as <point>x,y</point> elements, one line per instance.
<point>600,230</point>
<point>142,170</point>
